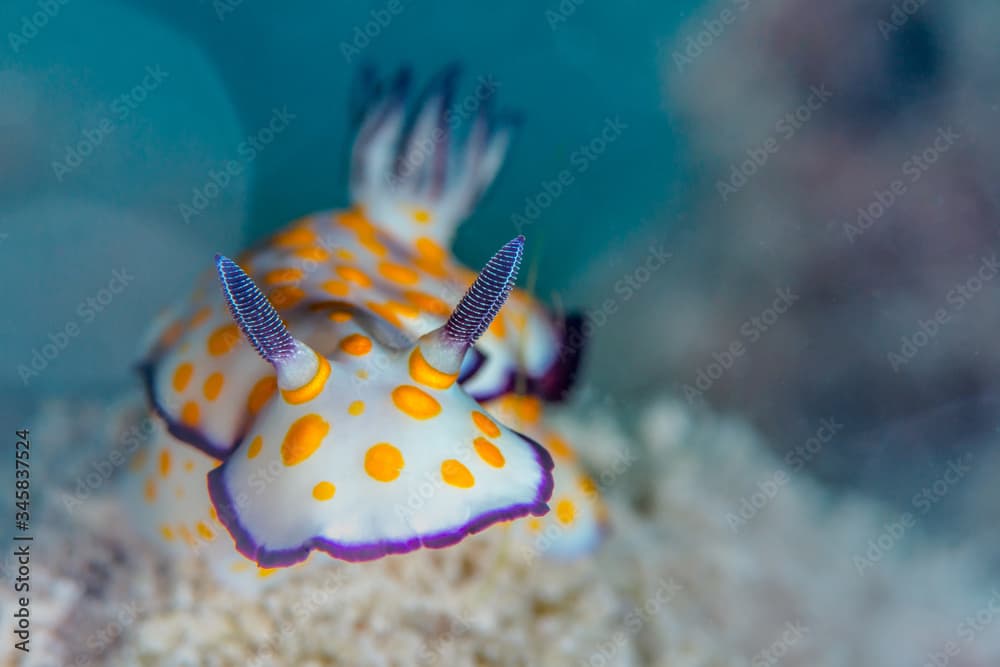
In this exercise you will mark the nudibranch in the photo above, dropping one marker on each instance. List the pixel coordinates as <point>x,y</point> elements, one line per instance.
<point>330,390</point>
<point>579,518</point>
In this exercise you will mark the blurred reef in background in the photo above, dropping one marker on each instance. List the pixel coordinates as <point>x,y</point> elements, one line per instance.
<point>778,218</point>
<point>783,211</point>
<point>230,66</point>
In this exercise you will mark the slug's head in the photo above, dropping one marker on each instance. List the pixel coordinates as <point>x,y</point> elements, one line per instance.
<point>362,459</point>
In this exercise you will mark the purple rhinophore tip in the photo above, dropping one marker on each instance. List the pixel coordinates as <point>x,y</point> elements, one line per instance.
<point>256,317</point>
<point>486,296</point>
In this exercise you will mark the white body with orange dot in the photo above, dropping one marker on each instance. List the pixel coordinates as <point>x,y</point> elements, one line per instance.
<point>167,482</point>
<point>351,492</point>
<point>579,519</point>
<point>209,382</point>
<point>358,288</point>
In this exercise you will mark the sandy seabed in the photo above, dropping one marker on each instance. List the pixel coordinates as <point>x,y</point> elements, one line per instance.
<point>719,554</point>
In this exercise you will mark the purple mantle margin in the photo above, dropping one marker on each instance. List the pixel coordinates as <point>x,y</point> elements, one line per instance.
<point>228,514</point>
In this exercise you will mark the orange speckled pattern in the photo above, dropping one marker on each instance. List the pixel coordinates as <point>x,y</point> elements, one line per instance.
<point>265,443</point>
